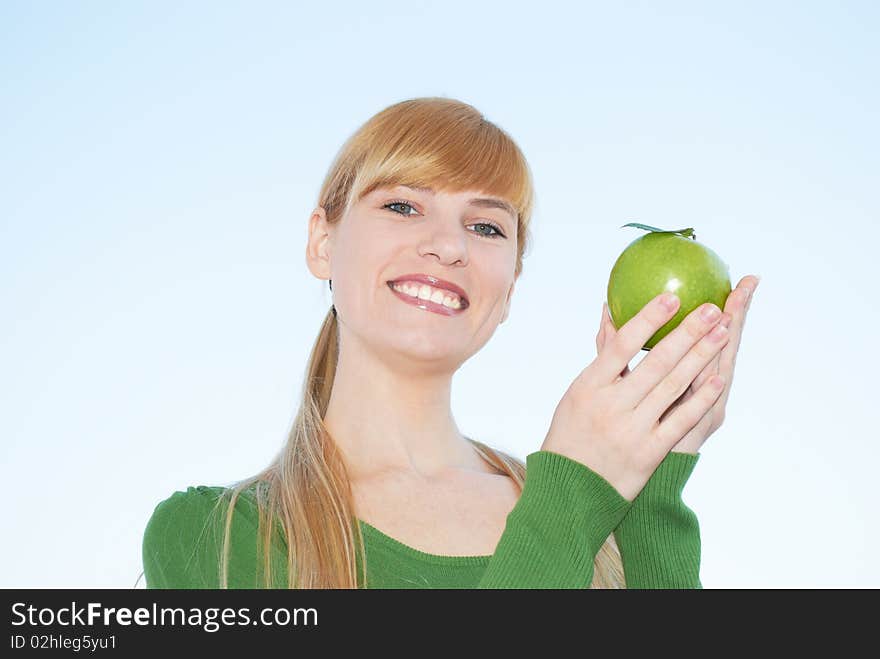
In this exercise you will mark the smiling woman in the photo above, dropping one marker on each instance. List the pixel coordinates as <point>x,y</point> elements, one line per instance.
<point>421,223</point>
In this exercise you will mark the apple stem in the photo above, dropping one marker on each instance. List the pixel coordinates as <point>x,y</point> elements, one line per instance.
<point>687,233</point>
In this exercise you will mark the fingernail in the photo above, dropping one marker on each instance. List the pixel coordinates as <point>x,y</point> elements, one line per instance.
<point>710,312</point>
<point>718,332</point>
<point>670,301</point>
<point>751,289</point>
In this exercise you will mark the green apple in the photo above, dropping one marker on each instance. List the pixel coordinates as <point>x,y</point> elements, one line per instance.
<point>663,261</point>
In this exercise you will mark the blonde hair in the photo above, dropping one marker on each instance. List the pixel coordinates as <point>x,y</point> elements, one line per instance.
<point>423,142</point>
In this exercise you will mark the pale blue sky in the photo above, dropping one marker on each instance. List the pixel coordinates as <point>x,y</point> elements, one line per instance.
<point>159,161</point>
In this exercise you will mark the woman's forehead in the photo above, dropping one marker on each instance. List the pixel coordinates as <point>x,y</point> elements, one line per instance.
<point>426,189</point>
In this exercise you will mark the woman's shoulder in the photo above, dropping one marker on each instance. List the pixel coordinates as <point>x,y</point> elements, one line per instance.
<point>198,504</point>
<point>183,535</point>
<point>192,495</point>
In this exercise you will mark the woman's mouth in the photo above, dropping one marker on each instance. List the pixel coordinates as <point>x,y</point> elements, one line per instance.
<point>423,296</point>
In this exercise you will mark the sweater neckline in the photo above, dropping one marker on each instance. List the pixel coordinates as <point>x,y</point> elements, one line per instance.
<point>386,540</point>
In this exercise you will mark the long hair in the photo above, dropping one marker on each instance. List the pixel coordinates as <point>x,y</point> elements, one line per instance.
<point>304,495</point>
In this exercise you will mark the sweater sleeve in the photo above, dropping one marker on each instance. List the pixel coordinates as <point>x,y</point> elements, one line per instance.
<point>659,538</point>
<point>183,540</point>
<point>563,516</point>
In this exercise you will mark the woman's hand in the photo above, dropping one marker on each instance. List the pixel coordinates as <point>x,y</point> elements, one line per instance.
<point>609,419</point>
<point>735,310</point>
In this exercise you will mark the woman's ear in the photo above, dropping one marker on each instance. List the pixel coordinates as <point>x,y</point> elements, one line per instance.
<point>319,244</point>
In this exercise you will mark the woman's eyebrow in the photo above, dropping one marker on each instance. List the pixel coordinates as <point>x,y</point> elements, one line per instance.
<point>482,202</point>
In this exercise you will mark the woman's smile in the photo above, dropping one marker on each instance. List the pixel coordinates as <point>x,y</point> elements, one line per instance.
<point>428,303</point>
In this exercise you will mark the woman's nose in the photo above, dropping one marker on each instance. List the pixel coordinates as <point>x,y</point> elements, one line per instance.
<point>447,243</point>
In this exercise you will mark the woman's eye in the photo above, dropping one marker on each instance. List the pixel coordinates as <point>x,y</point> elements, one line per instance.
<point>398,203</point>
<point>497,231</point>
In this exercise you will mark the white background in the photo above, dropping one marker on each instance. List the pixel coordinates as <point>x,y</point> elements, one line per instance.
<point>159,163</point>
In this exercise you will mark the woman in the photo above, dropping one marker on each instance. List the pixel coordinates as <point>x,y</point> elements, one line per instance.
<point>421,223</point>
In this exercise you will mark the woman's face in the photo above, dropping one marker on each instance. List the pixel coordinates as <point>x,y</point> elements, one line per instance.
<point>399,231</point>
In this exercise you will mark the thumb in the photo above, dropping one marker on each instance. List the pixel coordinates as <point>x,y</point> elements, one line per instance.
<point>607,333</point>
<point>600,337</point>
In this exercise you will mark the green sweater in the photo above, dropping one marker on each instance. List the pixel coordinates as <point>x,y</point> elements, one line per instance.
<point>553,533</point>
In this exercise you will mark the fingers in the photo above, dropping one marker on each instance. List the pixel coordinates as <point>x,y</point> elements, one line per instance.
<point>629,339</point>
<point>738,303</point>
<point>713,367</point>
<point>710,370</point>
<point>689,413</point>
<point>663,357</point>
<point>676,382</point>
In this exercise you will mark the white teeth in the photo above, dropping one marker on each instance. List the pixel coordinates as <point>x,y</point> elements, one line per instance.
<point>425,292</point>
